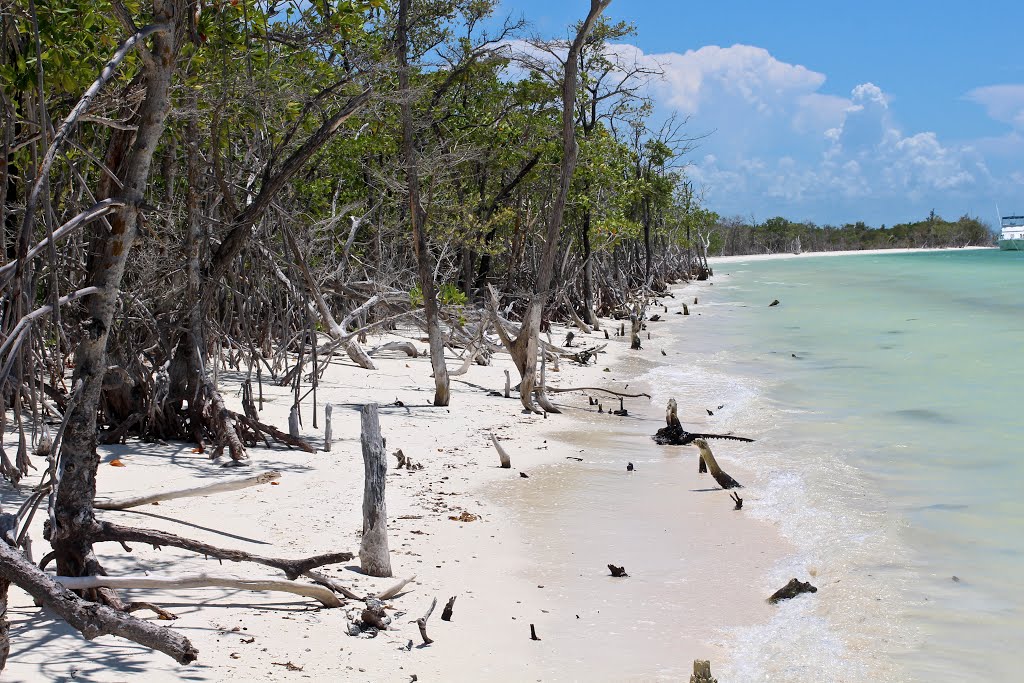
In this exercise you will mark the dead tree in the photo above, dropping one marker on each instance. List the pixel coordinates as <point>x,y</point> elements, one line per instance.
<point>374,557</point>
<point>524,347</point>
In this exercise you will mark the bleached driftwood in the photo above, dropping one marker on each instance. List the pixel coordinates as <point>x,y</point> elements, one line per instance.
<point>406,347</point>
<point>396,589</point>
<point>325,596</point>
<point>506,462</point>
<point>219,487</point>
<point>554,390</point>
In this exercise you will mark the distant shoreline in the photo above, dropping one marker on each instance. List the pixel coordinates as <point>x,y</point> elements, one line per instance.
<point>712,260</point>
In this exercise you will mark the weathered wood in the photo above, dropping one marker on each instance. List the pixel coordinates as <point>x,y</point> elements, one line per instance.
<point>286,439</point>
<point>508,385</point>
<point>506,461</point>
<point>533,633</point>
<point>737,500</point>
<point>723,479</point>
<point>396,589</point>
<point>792,589</point>
<point>325,596</point>
<point>90,619</point>
<point>617,572</point>
<point>422,623</point>
<point>702,672</point>
<point>673,434</point>
<point>374,556</point>
<point>449,607</point>
<point>328,427</point>
<point>209,489</point>
<point>374,615</point>
<point>293,422</point>
<point>406,347</point>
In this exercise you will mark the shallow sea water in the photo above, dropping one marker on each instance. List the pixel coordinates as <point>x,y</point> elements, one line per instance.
<point>884,392</point>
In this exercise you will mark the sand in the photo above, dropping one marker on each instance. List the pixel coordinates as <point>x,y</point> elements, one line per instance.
<point>537,554</point>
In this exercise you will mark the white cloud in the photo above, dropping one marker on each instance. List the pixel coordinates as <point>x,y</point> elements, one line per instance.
<point>1003,103</point>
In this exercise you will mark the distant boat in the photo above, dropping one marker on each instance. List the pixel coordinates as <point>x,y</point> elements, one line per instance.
<point>1012,237</point>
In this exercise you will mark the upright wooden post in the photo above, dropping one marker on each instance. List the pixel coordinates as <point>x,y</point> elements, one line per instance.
<point>374,558</point>
<point>702,672</point>
<point>293,422</point>
<point>328,434</point>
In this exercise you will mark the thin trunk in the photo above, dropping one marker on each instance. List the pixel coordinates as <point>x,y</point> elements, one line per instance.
<point>524,349</point>
<point>72,503</point>
<point>418,217</point>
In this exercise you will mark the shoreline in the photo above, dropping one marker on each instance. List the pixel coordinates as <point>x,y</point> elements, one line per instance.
<point>712,260</point>
<point>491,564</point>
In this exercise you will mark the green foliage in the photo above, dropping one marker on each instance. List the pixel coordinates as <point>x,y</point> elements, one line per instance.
<point>448,294</point>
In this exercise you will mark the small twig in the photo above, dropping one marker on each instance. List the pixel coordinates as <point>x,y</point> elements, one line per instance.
<point>533,633</point>
<point>736,499</point>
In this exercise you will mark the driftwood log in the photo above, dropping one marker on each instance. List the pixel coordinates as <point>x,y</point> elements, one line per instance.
<point>374,556</point>
<point>220,487</point>
<point>673,434</point>
<point>325,596</point>
<point>707,457</point>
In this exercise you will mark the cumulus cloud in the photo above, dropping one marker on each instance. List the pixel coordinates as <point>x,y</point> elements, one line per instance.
<point>1003,103</point>
<point>781,144</point>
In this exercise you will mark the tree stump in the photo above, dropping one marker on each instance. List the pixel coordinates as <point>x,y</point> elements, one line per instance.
<point>702,672</point>
<point>374,557</point>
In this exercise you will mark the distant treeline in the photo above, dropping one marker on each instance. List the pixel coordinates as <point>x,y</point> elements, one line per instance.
<point>779,235</point>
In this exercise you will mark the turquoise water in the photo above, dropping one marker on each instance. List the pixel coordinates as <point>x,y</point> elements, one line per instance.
<point>885,394</point>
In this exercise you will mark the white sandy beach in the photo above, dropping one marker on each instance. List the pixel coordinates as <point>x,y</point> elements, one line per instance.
<point>526,560</point>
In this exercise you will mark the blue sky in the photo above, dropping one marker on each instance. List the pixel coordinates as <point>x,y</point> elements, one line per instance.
<point>836,112</point>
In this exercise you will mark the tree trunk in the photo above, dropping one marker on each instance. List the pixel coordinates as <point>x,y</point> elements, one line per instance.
<point>589,316</point>
<point>418,217</point>
<point>524,349</point>
<point>76,486</point>
<point>374,557</point>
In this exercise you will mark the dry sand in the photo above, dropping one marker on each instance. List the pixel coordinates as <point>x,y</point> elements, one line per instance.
<point>537,553</point>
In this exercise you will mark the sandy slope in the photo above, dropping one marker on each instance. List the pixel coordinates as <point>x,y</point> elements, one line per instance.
<point>526,560</point>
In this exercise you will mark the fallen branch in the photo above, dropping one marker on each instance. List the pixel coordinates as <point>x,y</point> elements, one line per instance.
<point>607,391</point>
<point>407,347</point>
<point>283,437</point>
<point>324,595</point>
<point>220,487</point>
<point>106,531</point>
<point>90,619</point>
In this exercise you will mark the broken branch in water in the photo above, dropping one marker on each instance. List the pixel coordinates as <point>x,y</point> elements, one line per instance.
<point>723,479</point>
<point>673,434</point>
